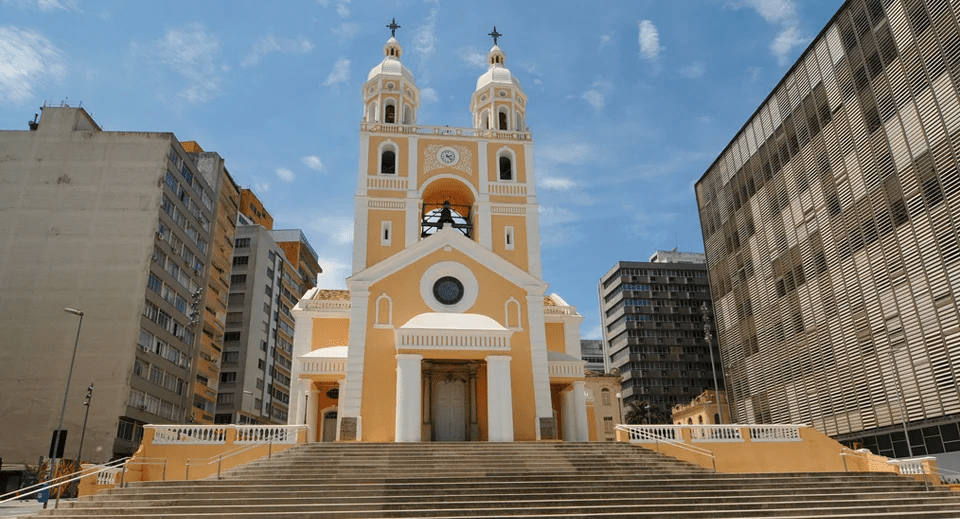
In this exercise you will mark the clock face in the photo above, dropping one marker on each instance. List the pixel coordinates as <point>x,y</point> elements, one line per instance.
<point>448,156</point>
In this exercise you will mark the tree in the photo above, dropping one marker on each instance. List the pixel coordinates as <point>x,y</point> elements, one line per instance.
<point>644,412</point>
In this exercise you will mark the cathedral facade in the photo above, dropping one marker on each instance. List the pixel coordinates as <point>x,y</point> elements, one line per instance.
<point>446,331</point>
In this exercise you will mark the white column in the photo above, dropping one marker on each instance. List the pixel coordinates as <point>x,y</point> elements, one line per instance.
<point>408,397</point>
<point>297,414</point>
<point>313,407</point>
<point>499,399</point>
<point>538,357</point>
<point>340,385</point>
<point>569,421</point>
<point>580,411</point>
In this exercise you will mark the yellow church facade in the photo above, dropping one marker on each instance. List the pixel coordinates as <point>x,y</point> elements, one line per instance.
<point>446,331</point>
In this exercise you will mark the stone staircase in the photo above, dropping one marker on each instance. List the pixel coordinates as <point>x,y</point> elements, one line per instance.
<point>365,480</point>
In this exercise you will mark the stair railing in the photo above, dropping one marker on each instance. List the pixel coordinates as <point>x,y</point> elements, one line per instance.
<point>667,435</point>
<point>140,461</point>
<point>95,470</point>
<point>218,458</point>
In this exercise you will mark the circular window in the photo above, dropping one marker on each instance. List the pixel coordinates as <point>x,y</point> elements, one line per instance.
<point>449,286</point>
<point>390,85</point>
<point>483,97</point>
<point>333,393</point>
<point>503,93</point>
<point>448,290</point>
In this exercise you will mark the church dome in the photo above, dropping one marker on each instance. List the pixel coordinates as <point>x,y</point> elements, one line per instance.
<point>391,66</point>
<point>497,73</point>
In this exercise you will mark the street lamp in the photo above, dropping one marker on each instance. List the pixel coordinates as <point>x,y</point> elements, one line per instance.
<point>56,443</point>
<point>713,367</point>
<point>903,413</point>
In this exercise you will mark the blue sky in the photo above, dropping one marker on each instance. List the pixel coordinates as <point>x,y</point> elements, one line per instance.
<point>629,102</point>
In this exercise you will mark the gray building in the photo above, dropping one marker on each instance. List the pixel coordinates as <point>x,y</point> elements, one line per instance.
<point>653,329</point>
<point>258,343</point>
<point>118,226</point>
<point>830,228</point>
<point>591,350</point>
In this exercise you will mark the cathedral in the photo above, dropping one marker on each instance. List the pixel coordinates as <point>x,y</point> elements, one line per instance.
<point>446,331</point>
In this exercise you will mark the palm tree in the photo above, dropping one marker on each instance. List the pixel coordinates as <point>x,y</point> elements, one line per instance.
<point>643,412</point>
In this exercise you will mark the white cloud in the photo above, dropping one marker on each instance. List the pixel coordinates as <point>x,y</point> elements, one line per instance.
<point>339,74</point>
<point>335,272</point>
<point>471,57</point>
<point>425,37</point>
<point>27,60</point>
<point>593,333</point>
<point>773,11</point>
<point>313,162</point>
<point>570,153</point>
<point>260,187</point>
<point>270,44</point>
<point>596,96</point>
<point>606,38</point>
<point>693,70</point>
<point>784,43</point>
<point>555,225</point>
<point>343,10</point>
<point>429,95</point>
<point>784,13</point>
<point>339,229</point>
<point>45,6</point>
<point>649,40</point>
<point>193,53</point>
<point>347,30</point>
<point>556,183</point>
<point>285,174</point>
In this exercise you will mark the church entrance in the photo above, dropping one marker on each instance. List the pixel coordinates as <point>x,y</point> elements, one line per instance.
<point>450,400</point>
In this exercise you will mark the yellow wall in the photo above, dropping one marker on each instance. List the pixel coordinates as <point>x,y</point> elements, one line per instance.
<point>517,256</point>
<point>519,171</point>
<point>403,154</point>
<point>329,332</point>
<point>375,251</point>
<point>555,338</point>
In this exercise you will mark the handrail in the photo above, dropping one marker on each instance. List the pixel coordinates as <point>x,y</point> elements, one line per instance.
<point>53,483</point>
<point>144,461</point>
<point>633,432</point>
<point>220,457</point>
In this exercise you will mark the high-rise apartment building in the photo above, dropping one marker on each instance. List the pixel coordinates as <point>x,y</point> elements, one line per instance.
<point>119,226</point>
<point>591,351</point>
<point>653,329</point>
<point>271,269</point>
<point>830,228</point>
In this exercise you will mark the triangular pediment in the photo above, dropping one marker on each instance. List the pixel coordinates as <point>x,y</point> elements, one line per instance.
<point>442,240</point>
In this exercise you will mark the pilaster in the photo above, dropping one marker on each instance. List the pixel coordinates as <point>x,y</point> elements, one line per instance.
<point>409,413</point>
<point>499,399</point>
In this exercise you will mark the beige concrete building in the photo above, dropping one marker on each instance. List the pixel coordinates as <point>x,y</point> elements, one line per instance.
<point>118,225</point>
<point>709,407</point>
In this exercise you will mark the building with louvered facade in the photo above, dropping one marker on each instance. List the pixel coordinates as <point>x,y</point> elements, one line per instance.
<point>830,225</point>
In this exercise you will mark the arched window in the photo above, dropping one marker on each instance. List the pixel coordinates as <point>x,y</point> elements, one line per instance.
<point>388,162</point>
<point>506,168</point>
<point>384,307</point>
<point>519,118</point>
<point>390,114</point>
<point>716,418</point>
<point>371,112</point>
<point>700,419</point>
<point>503,121</point>
<point>689,421</point>
<point>485,120</point>
<point>605,396</point>
<point>512,308</point>
<point>407,114</point>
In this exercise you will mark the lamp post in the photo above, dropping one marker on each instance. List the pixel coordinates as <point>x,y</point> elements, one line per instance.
<point>713,367</point>
<point>63,409</point>
<point>86,413</point>
<point>903,413</point>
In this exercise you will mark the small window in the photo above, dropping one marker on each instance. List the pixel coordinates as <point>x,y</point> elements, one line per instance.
<point>386,233</point>
<point>388,162</point>
<point>508,238</point>
<point>506,168</point>
<point>390,114</point>
<point>503,120</point>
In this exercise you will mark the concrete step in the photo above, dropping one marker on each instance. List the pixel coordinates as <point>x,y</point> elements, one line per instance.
<point>321,481</point>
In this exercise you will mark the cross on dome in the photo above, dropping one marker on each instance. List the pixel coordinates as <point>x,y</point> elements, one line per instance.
<point>494,34</point>
<point>393,28</point>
